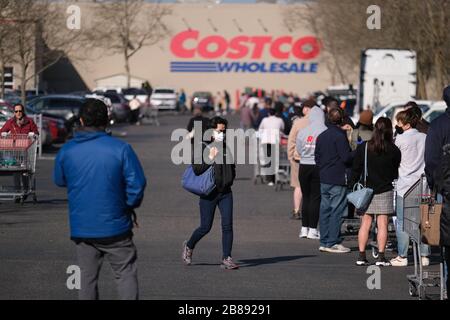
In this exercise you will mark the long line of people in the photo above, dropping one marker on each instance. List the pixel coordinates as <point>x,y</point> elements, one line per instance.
<point>330,153</point>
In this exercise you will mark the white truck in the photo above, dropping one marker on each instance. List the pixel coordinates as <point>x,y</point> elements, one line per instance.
<point>387,75</point>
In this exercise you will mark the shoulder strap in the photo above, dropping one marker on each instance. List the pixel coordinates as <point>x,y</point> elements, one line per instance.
<point>365,165</point>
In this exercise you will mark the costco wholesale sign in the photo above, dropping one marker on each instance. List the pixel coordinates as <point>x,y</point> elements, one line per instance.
<point>242,53</point>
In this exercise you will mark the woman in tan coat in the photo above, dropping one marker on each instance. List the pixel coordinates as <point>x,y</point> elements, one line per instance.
<point>298,123</point>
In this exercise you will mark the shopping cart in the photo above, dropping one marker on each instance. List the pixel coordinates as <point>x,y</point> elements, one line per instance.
<point>417,195</point>
<point>283,171</point>
<point>18,159</point>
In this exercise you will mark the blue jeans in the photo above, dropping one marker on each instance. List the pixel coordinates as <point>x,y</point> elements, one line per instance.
<point>207,209</point>
<point>403,237</point>
<point>333,206</point>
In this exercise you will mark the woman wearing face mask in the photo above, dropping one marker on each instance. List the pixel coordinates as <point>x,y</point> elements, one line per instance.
<point>411,143</point>
<point>225,172</point>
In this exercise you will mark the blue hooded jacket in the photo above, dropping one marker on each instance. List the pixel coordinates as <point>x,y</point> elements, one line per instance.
<point>104,180</point>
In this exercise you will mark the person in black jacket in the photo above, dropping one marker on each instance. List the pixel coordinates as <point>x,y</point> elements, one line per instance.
<point>437,142</point>
<point>225,172</point>
<point>383,160</point>
<point>197,117</point>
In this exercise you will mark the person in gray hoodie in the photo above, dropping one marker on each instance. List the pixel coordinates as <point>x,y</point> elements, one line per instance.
<point>309,173</point>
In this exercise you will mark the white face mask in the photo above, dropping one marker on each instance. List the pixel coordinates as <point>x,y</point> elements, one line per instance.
<point>218,136</point>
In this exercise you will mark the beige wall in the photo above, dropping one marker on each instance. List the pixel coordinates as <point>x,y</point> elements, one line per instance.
<point>153,63</point>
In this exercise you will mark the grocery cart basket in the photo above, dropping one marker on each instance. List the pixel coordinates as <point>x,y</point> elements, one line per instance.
<point>18,159</point>
<point>422,278</point>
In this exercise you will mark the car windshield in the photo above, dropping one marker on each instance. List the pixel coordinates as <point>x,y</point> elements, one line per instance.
<point>113,97</point>
<point>434,114</point>
<point>424,107</point>
<point>202,94</point>
<point>164,91</point>
<point>134,91</point>
<point>64,104</point>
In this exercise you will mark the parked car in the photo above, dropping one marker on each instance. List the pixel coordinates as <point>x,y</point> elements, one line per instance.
<point>391,110</point>
<point>438,108</point>
<point>204,99</point>
<point>120,107</point>
<point>3,119</point>
<point>130,93</point>
<point>65,107</point>
<point>164,99</point>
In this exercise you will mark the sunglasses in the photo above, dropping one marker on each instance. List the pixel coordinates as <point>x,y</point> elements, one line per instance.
<point>17,111</point>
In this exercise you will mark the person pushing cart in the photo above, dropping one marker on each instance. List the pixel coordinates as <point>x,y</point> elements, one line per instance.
<point>18,147</point>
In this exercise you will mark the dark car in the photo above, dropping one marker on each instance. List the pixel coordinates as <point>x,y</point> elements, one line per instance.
<point>59,106</point>
<point>203,99</point>
<point>120,108</point>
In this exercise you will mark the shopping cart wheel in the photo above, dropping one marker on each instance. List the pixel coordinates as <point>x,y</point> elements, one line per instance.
<point>413,289</point>
<point>375,253</point>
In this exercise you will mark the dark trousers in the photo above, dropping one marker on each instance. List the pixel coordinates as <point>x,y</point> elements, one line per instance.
<point>268,152</point>
<point>121,255</point>
<point>310,185</point>
<point>134,117</point>
<point>207,210</point>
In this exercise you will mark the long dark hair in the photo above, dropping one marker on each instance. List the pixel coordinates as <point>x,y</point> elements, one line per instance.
<point>382,136</point>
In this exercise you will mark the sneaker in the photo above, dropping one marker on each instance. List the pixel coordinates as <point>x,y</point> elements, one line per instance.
<point>271,184</point>
<point>303,232</point>
<point>322,249</point>
<point>187,254</point>
<point>425,261</point>
<point>313,234</point>
<point>362,262</point>
<point>337,248</point>
<point>399,262</point>
<point>382,262</point>
<point>341,247</point>
<point>228,264</point>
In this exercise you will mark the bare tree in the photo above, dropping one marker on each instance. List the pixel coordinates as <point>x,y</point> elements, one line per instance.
<point>405,24</point>
<point>126,26</point>
<point>40,37</point>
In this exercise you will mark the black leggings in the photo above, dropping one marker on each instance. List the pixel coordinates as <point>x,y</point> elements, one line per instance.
<point>308,176</point>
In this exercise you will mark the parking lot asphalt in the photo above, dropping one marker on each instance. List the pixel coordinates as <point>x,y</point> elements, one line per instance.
<point>35,249</point>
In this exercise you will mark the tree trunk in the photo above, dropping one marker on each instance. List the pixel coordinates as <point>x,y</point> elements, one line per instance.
<point>23,88</point>
<point>421,85</point>
<point>127,69</point>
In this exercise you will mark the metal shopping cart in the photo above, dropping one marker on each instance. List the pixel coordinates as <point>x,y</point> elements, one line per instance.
<point>18,159</point>
<point>283,171</point>
<point>422,278</point>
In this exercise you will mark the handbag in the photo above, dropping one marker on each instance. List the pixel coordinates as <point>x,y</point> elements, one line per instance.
<point>430,222</point>
<point>361,195</point>
<point>201,185</point>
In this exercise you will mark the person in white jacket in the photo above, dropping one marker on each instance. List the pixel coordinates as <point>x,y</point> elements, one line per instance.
<point>270,130</point>
<point>411,143</point>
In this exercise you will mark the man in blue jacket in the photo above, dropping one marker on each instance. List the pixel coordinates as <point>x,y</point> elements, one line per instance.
<point>105,183</point>
<point>333,157</point>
